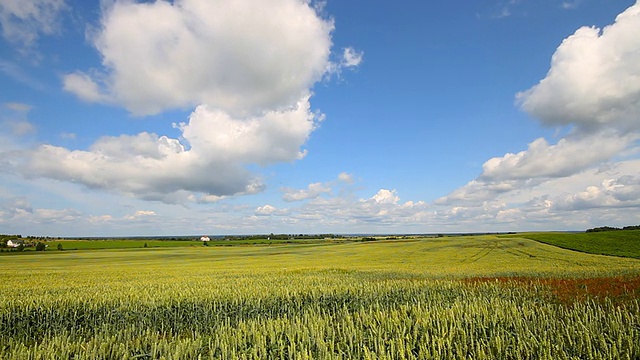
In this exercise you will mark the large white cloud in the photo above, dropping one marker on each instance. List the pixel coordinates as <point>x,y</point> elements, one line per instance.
<point>243,57</point>
<point>594,80</point>
<point>209,165</point>
<point>594,86</point>
<point>248,68</point>
<point>567,157</point>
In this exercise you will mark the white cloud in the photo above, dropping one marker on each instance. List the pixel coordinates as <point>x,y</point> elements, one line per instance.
<point>313,191</point>
<point>250,66</point>
<point>159,168</point>
<point>23,21</point>
<point>345,177</point>
<point>593,82</point>
<point>619,192</point>
<point>385,196</point>
<point>351,57</point>
<point>376,213</point>
<point>83,86</point>
<point>140,214</point>
<point>568,156</point>
<point>56,215</point>
<point>268,210</point>
<point>589,198</point>
<point>19,210</point>
<point>242,57</point>
<point>478,191</point>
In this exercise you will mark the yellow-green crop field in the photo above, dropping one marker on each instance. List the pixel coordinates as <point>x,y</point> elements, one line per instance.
<point>472,297</point>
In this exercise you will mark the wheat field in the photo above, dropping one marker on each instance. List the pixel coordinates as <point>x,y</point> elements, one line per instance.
<point>435,298</point>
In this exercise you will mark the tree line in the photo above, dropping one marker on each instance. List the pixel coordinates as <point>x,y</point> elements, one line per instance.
<point>610,228</point>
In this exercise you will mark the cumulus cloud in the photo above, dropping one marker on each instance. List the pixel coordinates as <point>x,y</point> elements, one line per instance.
<point>160,168</point>
<point>619,192</point>
<point>268,210</point>
<point>591,197</point>
<point>384,196</point>
<point>593,85</point>
<point>478,191</point>
<point>568,156</point>
<point>593,82</point>
<point>247,67</point>
<point>265,210</point>
<point>242,57</point>
<point>23,21</point>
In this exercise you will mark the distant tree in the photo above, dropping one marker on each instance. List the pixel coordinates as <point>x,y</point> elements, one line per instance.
<point>145,245</point>
<point>41,246</point>
<point>20,247</point>
<point>60,247</point>
<point>603,228</point>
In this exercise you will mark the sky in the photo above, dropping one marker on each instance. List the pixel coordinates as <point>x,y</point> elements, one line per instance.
<point>211,117</point>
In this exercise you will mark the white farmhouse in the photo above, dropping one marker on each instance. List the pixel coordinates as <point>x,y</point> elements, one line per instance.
<point>205,239</point>
<point>14,243</point>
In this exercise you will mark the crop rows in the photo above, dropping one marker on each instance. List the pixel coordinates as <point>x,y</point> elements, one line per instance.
<point>304,315</point>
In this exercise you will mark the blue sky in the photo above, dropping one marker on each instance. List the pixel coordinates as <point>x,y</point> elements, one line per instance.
<point>287,116</point>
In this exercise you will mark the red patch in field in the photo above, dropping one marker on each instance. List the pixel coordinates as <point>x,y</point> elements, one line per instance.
<point>618,289</point>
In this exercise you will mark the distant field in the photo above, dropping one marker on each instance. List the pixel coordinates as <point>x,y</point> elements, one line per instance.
<point>617,243</point>
<point>116,244</point>
<point>480,297</point>
<point>95,244</point>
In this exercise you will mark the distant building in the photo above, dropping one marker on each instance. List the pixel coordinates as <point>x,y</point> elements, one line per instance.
<point>205,238</point>
<point>14,243</point>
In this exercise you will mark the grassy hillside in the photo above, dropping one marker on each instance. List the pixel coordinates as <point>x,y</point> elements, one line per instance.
<point>617,243</point>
